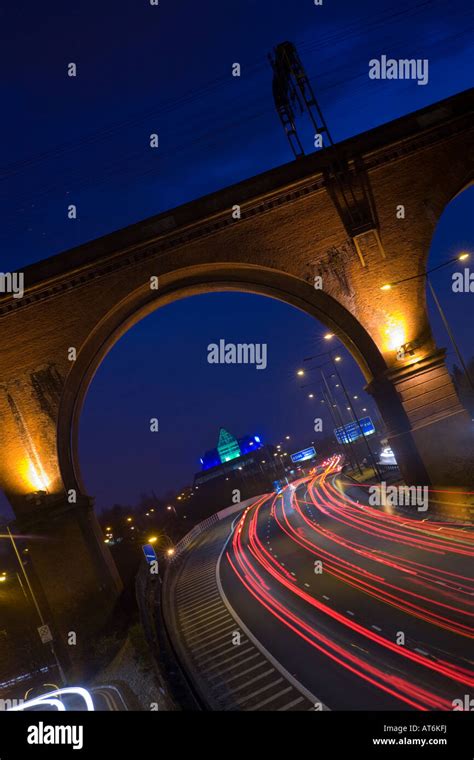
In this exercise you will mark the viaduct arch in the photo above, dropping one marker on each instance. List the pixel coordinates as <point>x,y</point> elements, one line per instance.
<point>274,234</point>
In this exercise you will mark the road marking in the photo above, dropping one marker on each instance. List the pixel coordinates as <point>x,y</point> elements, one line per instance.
<point>376,628</point>
<point>231,667</point>
<point>231,627</point>
<point>203,660</point>
<point>197,593</point>
<point>290,704</point>
<point>269,699</point>
<point>229,659</point>
<point>252,680</point>
<point>356,646</point>
<point>186,613</point>
<point>224,635</point>
<point>189,608</point>
<point>248,670</point>
<point>270,685</point>
<point>349,612</point>
<point>307,585</point>
<point>325,597</point>
<point>204,621</point>
<point>193,617</point>
<point>421,651</point>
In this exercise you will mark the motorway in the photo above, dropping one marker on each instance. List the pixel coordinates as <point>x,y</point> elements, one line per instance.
<point>366,610</point>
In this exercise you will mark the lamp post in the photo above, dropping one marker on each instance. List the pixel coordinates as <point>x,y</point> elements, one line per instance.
<point>461,257</point>
<point>35,602</point>
<point>450,332</point>
<point>339,424</point>
<point>357,421</point>
<point>332,404</point>
<point>334,360</point>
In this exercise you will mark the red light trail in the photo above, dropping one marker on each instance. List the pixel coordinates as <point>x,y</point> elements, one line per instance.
<point>415,594</point>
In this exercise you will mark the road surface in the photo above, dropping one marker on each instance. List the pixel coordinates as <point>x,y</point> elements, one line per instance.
<point>313,599</point>
<point>367,610</point>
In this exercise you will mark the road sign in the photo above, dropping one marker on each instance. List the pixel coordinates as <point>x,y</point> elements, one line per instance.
<point>302,456</point>
<point>150,554</point>
<point>351,431</point>
<point>45,634</point>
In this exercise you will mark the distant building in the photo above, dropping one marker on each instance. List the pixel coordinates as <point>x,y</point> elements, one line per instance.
<point>243,457</point>
<point>229,448</point>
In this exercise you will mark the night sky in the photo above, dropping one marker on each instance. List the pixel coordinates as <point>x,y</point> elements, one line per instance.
<point>84,140</point>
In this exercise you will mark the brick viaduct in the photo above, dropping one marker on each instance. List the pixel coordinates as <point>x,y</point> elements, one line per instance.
<point>289,233</point>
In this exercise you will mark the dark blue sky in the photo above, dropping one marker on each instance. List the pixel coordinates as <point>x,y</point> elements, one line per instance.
<point>143,69</point>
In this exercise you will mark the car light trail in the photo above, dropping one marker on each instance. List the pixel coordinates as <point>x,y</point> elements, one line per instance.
<point>270,583</point>
<point>53,699</point>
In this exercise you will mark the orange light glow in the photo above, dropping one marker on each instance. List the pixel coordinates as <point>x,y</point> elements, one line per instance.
<point>395,334</point>
<point>34,476</point>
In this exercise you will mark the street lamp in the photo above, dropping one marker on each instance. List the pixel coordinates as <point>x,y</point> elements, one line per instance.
<point>460,257</point>
<point>35,602</point>
<point>357,421</point>
<point>333,360</point>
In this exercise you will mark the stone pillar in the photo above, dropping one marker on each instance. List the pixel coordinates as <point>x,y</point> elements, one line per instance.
<point>433,437</point>
<point>71,570</point>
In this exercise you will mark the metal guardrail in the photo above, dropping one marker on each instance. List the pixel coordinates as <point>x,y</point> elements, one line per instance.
<point>184,542</point>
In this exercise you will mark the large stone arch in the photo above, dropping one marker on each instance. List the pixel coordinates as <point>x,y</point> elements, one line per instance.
<point>186,282</point>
